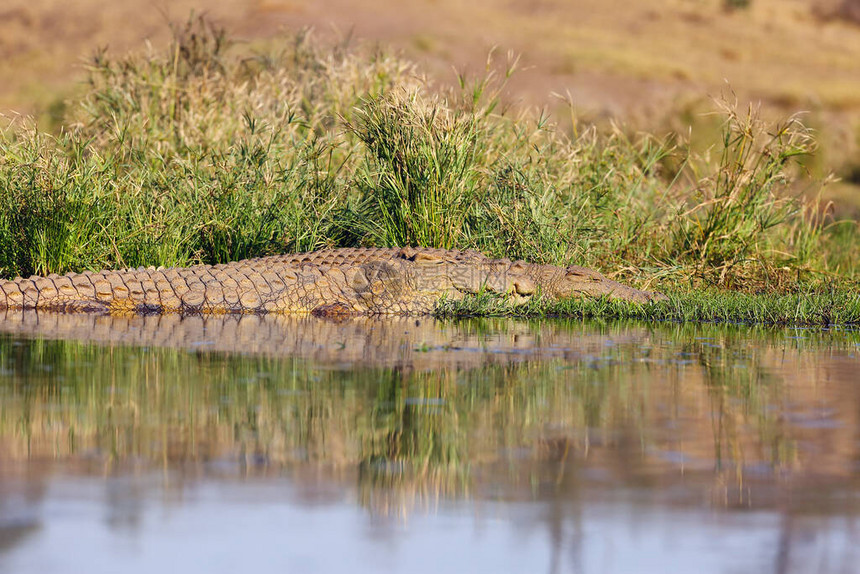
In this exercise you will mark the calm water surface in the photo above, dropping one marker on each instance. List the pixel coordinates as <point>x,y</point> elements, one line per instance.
<point>298,445</point>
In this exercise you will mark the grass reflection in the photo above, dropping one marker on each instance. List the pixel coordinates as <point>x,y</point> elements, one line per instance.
<point>668,403</point>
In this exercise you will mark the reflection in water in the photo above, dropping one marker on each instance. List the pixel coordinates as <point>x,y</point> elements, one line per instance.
<point>580,439</point>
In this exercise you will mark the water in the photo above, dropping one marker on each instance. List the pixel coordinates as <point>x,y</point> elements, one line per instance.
<point>297,445</point>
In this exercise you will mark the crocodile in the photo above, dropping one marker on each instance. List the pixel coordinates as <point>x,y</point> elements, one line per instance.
<point>328,282</point>
<point>404,343</point>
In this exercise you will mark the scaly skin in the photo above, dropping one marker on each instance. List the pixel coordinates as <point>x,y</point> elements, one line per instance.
<point>331,282</point>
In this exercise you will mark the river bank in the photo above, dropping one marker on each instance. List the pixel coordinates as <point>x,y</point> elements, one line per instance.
<point>208,153</point>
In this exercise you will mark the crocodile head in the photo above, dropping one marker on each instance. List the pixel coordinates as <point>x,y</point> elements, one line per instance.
<point>576,281</point>
<point>520,281</point>
<point>438,272</point>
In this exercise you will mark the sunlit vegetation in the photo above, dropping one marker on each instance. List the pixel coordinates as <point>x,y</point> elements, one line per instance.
<point>210,153</point>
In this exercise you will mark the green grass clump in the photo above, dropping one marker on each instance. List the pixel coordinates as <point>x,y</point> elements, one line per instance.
<point>817,307</point>
<point>189,156</point>
<point>420,175</point>
<point>210,152</point>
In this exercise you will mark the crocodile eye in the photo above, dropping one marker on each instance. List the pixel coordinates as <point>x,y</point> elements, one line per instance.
<point>425,257</point>
<point>583,273</point>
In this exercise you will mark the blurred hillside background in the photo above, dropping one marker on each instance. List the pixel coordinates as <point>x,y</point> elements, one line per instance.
<point>652,65</point>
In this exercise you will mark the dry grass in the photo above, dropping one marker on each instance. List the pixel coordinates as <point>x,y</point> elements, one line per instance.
<point>645,62</point>
<point>779,50</point>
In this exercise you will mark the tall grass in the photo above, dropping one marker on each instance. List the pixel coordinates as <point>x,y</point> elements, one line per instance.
<point>728,223</point>
<point>421,169</point>
<point>209,152</point>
